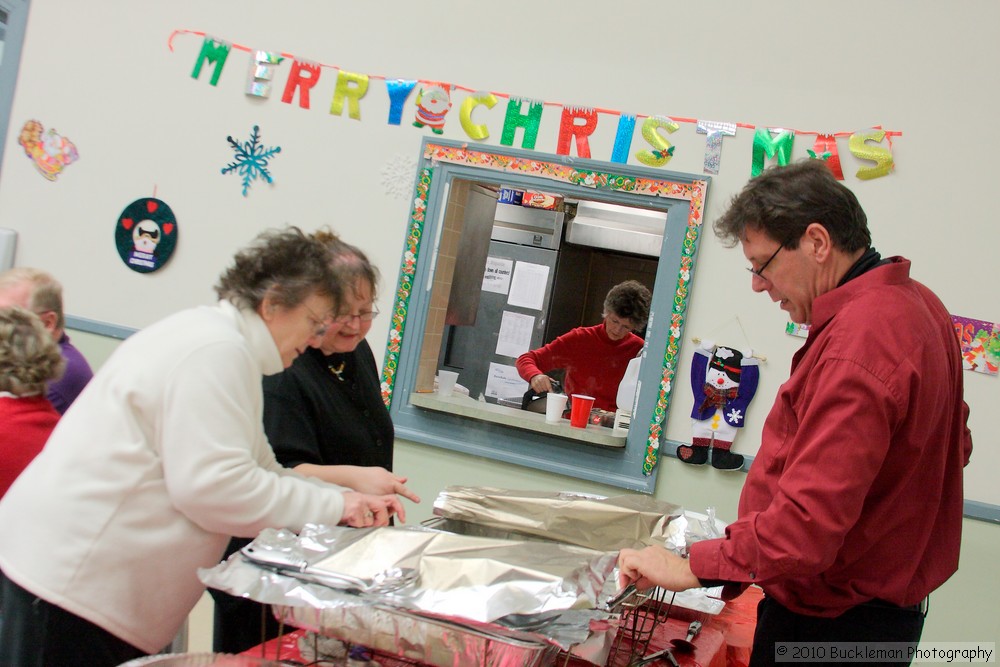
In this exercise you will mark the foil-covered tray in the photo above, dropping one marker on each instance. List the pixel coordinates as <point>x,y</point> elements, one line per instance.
<point>505,578</point>
<point>419,638</point>
<point>591,521</point>
<point>472,596</point>
<point>594,521</point>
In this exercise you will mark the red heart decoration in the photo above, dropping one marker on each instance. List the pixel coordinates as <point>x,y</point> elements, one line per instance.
<point>127,223</point>
<point>168,227</point>
<point>151,205</point>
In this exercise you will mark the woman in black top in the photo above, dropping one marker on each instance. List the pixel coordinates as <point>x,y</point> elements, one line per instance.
<point>324,417</point>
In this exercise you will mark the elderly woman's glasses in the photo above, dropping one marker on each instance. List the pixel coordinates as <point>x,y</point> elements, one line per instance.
<point>364,316</point>
<point>320,325</point>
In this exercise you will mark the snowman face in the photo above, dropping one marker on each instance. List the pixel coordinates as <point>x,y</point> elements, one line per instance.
<point>719,379</point>
<point>146,236</point>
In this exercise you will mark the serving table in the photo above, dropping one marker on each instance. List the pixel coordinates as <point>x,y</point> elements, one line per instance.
<point>724,641</point>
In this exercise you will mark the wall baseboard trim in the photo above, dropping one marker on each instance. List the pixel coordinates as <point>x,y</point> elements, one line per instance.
<point>98,328</point>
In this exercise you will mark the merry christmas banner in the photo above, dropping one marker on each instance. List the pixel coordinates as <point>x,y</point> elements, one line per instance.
<point>429,105</point>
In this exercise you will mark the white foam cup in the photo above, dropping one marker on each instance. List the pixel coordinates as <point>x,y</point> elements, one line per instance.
<point>555,405</point>
<point>446,382</point>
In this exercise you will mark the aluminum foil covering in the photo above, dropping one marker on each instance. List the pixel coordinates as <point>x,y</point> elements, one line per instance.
<point>471,595</point>
<point>594,522</point>
<point>691,527</point>
<point>580,518</point>
<point>420,639</point>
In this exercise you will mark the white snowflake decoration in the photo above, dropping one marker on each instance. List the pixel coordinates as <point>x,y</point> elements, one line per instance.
<point>735,416</point>
<point>398,176</point>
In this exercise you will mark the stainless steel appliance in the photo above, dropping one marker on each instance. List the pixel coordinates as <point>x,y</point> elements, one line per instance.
<point>523,241</point>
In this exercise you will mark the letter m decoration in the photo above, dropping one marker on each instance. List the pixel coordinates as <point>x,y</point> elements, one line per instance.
<point>214,52</point>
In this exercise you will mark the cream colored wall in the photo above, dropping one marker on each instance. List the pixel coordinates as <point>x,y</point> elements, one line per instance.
<point>101,73</point>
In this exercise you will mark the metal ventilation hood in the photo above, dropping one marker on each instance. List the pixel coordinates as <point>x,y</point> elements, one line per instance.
<point>613,227</point>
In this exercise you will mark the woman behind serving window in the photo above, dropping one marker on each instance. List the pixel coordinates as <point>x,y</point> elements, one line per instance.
<point>325,418</point>
<point>595,358</point>
<point>162,458</point>
<point>29,359</point>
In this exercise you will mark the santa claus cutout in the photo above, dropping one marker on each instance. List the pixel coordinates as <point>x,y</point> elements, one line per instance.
<point>724,381</point>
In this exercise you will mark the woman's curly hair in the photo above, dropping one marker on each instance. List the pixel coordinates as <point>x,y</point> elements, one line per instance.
<point>629,300</point>
<point>29,358</point>
<point>287,265</point>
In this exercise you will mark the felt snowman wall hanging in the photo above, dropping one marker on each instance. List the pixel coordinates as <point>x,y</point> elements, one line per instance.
<point>724,381</point>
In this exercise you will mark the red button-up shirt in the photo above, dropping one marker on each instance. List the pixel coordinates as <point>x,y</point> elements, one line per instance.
<point>856,492</point>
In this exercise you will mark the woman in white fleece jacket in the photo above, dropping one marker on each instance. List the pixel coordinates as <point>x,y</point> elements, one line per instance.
<point>159,461</point>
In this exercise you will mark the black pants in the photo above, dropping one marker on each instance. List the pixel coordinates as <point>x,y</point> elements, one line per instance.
<point>239,623</point>
<point>870,622</point>
<point>35,633</point>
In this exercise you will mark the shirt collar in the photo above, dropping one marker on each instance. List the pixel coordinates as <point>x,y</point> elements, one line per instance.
<point>257,335</point>
<point>890,271</point>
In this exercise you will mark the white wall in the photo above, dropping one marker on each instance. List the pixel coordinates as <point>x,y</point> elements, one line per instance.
<point>102,75</point>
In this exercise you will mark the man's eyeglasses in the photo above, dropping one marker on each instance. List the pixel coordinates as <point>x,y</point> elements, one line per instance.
<point>320,325</point>
<point>366,316</point>
<point>760,272</point>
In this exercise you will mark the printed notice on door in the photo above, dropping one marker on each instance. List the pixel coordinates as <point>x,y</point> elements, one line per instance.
<point>504,382</point>
<point>515,334</point>
<point>527,288</point>
<point>496,277</point>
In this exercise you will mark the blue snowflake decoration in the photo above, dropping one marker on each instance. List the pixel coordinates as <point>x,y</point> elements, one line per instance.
<point>251,159</point>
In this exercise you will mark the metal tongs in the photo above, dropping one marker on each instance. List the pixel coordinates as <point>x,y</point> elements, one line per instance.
<point>619,598</point>
<point>284,563</point>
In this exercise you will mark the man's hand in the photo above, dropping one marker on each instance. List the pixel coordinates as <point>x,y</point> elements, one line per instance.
<point>541,383</point>
<point>655,566</point>
<point>362,510</point>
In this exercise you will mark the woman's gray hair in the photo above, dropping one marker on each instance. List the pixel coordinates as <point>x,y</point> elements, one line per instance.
<point>29,358</point>
<point>350,263</point>
<point>287,265</point>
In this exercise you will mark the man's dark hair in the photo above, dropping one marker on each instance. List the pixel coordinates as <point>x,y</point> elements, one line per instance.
<point>783,201</point>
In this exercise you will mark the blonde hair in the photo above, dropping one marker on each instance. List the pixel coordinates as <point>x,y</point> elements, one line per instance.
<point>46,291</point>
<point>29,358</point>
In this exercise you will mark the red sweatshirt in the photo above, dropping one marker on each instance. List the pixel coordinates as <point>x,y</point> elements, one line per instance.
<point>594,363</point>
<point>27,423</point>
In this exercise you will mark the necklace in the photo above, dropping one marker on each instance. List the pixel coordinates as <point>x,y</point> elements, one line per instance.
<point>337,371</point>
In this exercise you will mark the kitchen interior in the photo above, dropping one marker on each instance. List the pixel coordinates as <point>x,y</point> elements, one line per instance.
<point>532,266</point>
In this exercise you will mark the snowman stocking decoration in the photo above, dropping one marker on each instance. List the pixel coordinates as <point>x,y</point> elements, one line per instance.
<point>724,381</point>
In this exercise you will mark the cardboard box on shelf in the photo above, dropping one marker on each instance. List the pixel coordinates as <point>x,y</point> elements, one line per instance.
<point>543,200</point>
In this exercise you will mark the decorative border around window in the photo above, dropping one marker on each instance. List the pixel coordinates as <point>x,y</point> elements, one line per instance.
<point>693,193</point>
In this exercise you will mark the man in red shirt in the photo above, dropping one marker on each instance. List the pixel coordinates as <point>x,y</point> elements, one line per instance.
<point>852,510</point>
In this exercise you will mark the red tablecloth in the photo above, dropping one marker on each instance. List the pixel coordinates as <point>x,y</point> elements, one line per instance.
<point>724,641</point>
